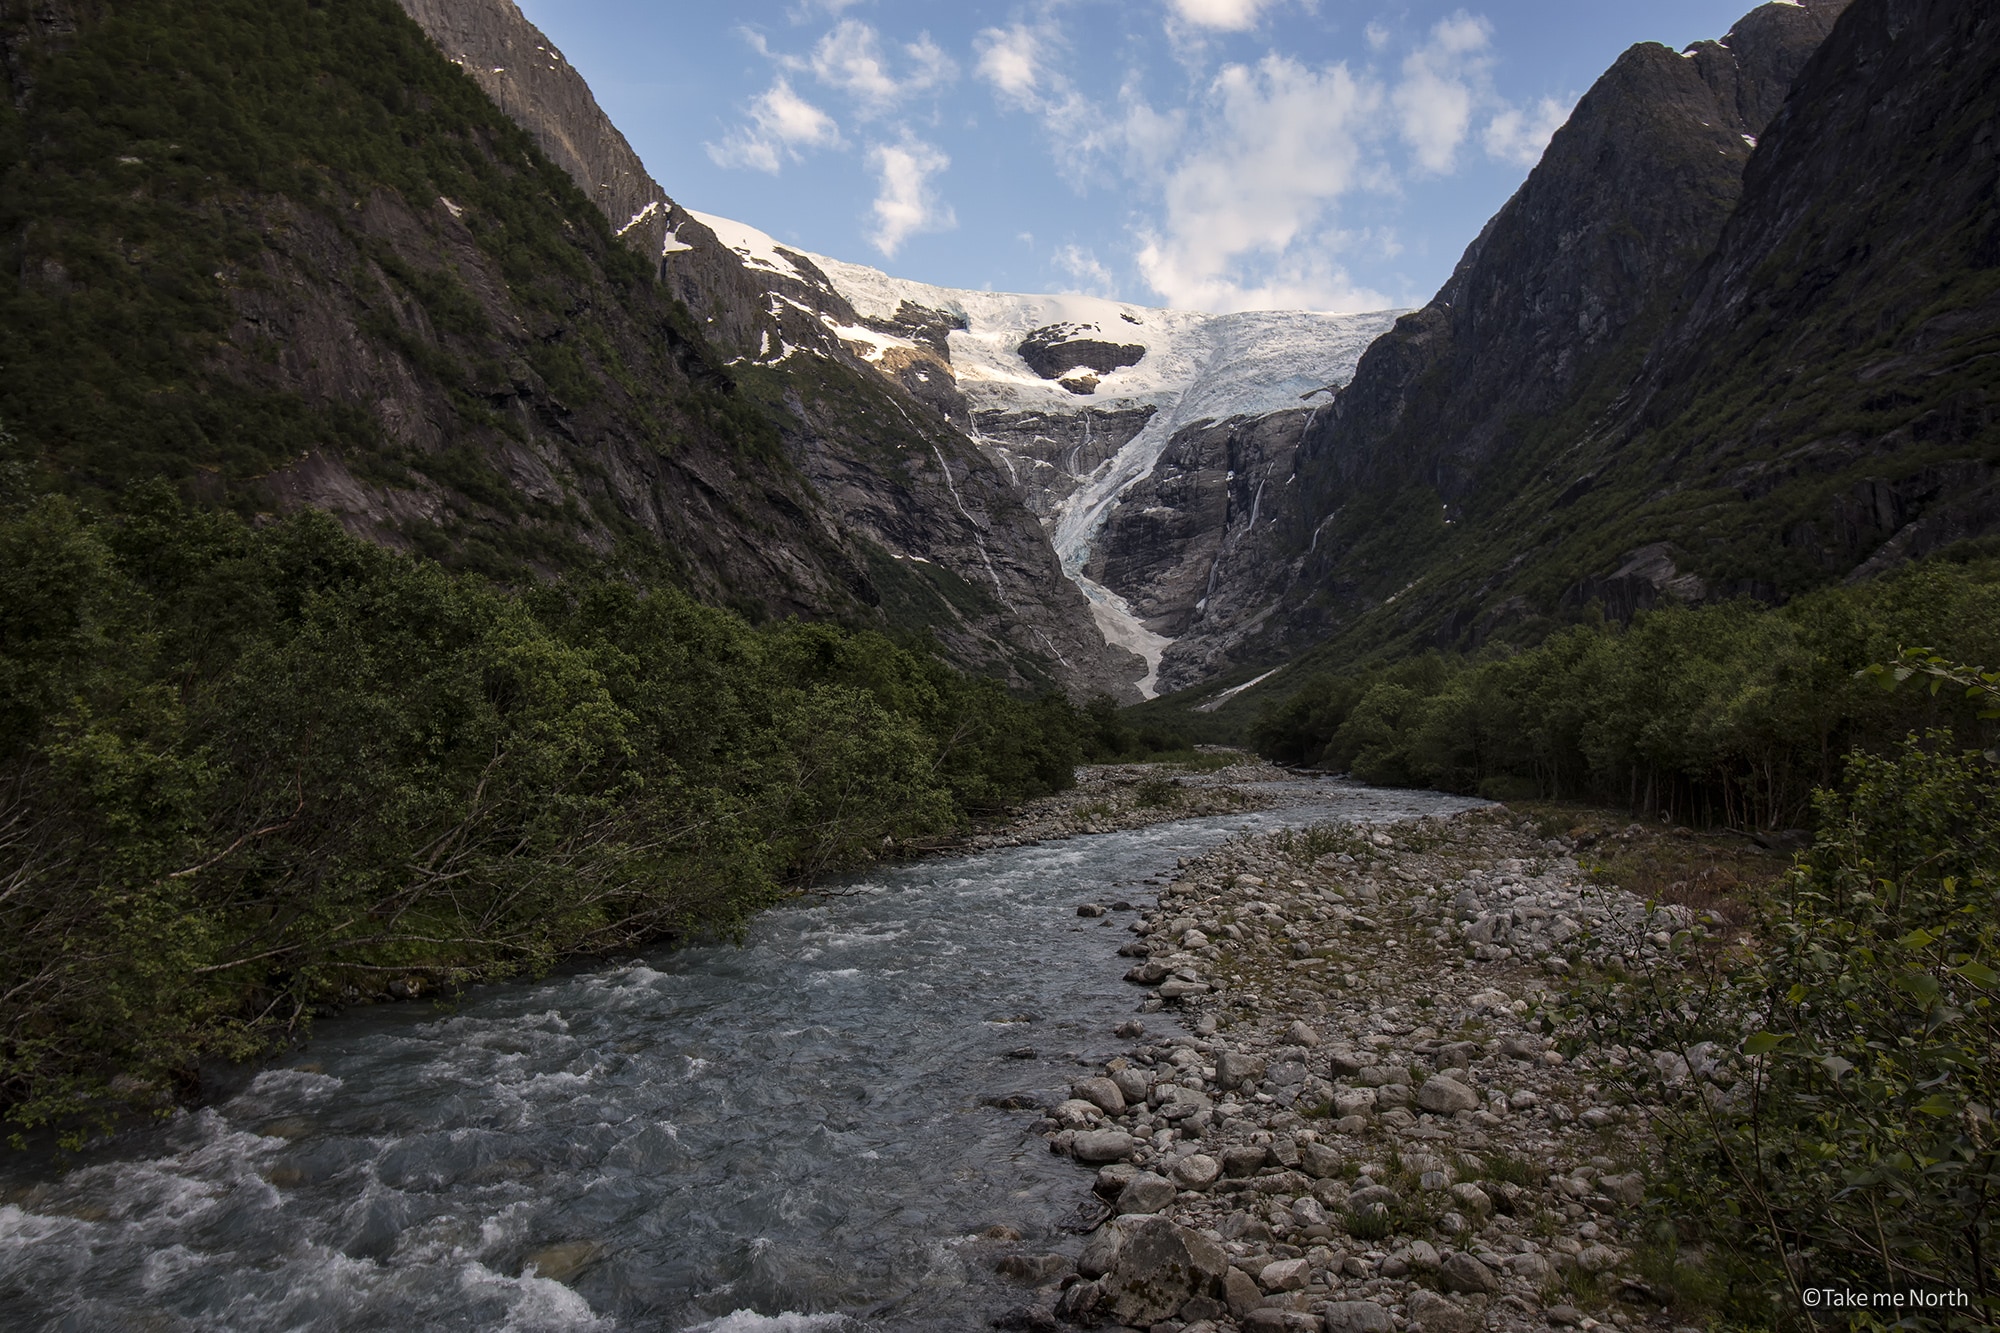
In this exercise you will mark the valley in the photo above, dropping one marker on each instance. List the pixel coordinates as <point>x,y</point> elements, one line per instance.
<point>566,763</point>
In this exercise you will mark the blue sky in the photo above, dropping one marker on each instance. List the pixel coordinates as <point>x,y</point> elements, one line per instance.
<point>1212,154</point>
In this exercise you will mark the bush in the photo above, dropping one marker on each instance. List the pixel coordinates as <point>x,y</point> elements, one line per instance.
<point>246,773</point>
<point>1828,1099</point>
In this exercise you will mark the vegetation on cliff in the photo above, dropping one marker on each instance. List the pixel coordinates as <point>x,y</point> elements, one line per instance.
<point>1731,713</point>
<point>246,772</point>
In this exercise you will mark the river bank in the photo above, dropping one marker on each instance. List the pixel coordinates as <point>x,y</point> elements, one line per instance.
<point>1374,1119</point>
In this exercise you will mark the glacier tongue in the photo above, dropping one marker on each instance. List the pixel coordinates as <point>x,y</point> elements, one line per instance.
<point>1195,367</point>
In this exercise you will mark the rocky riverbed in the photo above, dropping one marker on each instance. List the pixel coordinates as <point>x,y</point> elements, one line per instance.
<point>1365,1122</point>
<point>1108,797</point>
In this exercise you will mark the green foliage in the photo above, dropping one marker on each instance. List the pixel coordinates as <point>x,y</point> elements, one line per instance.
<point>1729,713</point>
<point>1828,1100</point>
<point>249,772</point>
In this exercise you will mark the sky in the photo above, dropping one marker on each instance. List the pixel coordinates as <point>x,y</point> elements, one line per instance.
<point>1205,154</point>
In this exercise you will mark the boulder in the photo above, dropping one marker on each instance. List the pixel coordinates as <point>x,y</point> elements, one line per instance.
<point>1358,1317</point>
<point>1103,1093</point>
<point>1463,1272</point>
<point>1133,1085</point>
<point>1197,1171</point>
<point>1445,1096</point>
<point>1319,1160</point>
<point>1233,1068</point>
<point>1102,1145</point>
<point>1146,1193</point>
<point>1241,1292</point>
<point>1629,1189</point>
<point>1285,1275</point>
<point>1158,1268</point>
<point>1439,1314</point>
<point>1473,1199</point>
<point>1244,1159</point>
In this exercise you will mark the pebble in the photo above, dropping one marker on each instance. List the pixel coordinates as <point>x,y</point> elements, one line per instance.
<point>1372,1026</point>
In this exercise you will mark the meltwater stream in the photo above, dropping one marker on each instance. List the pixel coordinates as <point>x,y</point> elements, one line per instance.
<point>791,1135</point>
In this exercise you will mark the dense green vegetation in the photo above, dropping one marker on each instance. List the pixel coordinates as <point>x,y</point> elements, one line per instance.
<point>1732,713</point>
<point>1825,1100</point>
<point>248,772</point>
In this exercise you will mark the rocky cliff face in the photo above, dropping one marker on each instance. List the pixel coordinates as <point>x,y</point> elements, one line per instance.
<point>1728,339</point>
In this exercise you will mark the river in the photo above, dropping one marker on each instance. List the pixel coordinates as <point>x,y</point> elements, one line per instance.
<point>785,1136</point>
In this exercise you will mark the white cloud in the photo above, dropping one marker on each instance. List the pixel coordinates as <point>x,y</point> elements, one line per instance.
<point>1440,84</point>
<point>1011,60</point>
<point>1241,228</point>
<point>1086,275</point>
<point>850,59</point>
<point>905,202</point>
<point>1519,135</point>
<point>1377,35</point>
<point>782,124</point>
<point>1224,15</point>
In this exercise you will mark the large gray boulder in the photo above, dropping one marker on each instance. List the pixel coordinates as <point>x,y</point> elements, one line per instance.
<point>1358,1317</point>
<point>1444,1096</point>
<point>1159,1266</point>
<point>1102,1145</point>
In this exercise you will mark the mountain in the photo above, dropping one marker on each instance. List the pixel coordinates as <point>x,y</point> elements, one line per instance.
<point>1734,336</point>
<point>1090,405</point>
<point>286,254</point>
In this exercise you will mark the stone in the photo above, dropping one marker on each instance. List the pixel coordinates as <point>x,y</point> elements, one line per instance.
<point>1473,1200</point>
<point>1100,1252</point>
<point>1080,1303</point>
<point>1357,1317</point>
<point>1147,1193</point>
<point>1197,1171</point>
<point>1597,1259</point>
<point>1134,1085</point>
<point>1033,1269</point>
<point>1158,1268</point>
<point>1102,1145</point>
<point>1629,1189</point>
<point>1445,1096</point>
<point>1233,1068</point>
<point>1439,1314</point>
<point>1319,1160</point>
<point>1370,1195</point>
<point>1241,1292</point>
<point>560,1263</point>
<point>1202,1309</point>
<point>1103,1093</point>
<point>1243,1159</point>
<point>1285,1275</point>
<point>1462,1272</point>
<point>1530,1268</point>
<point>1346,1063</point>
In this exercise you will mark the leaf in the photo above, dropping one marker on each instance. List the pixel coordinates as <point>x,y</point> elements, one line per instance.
<point>1763,1043</point>
<point>1979,974</point>
<point>1917,939</point>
